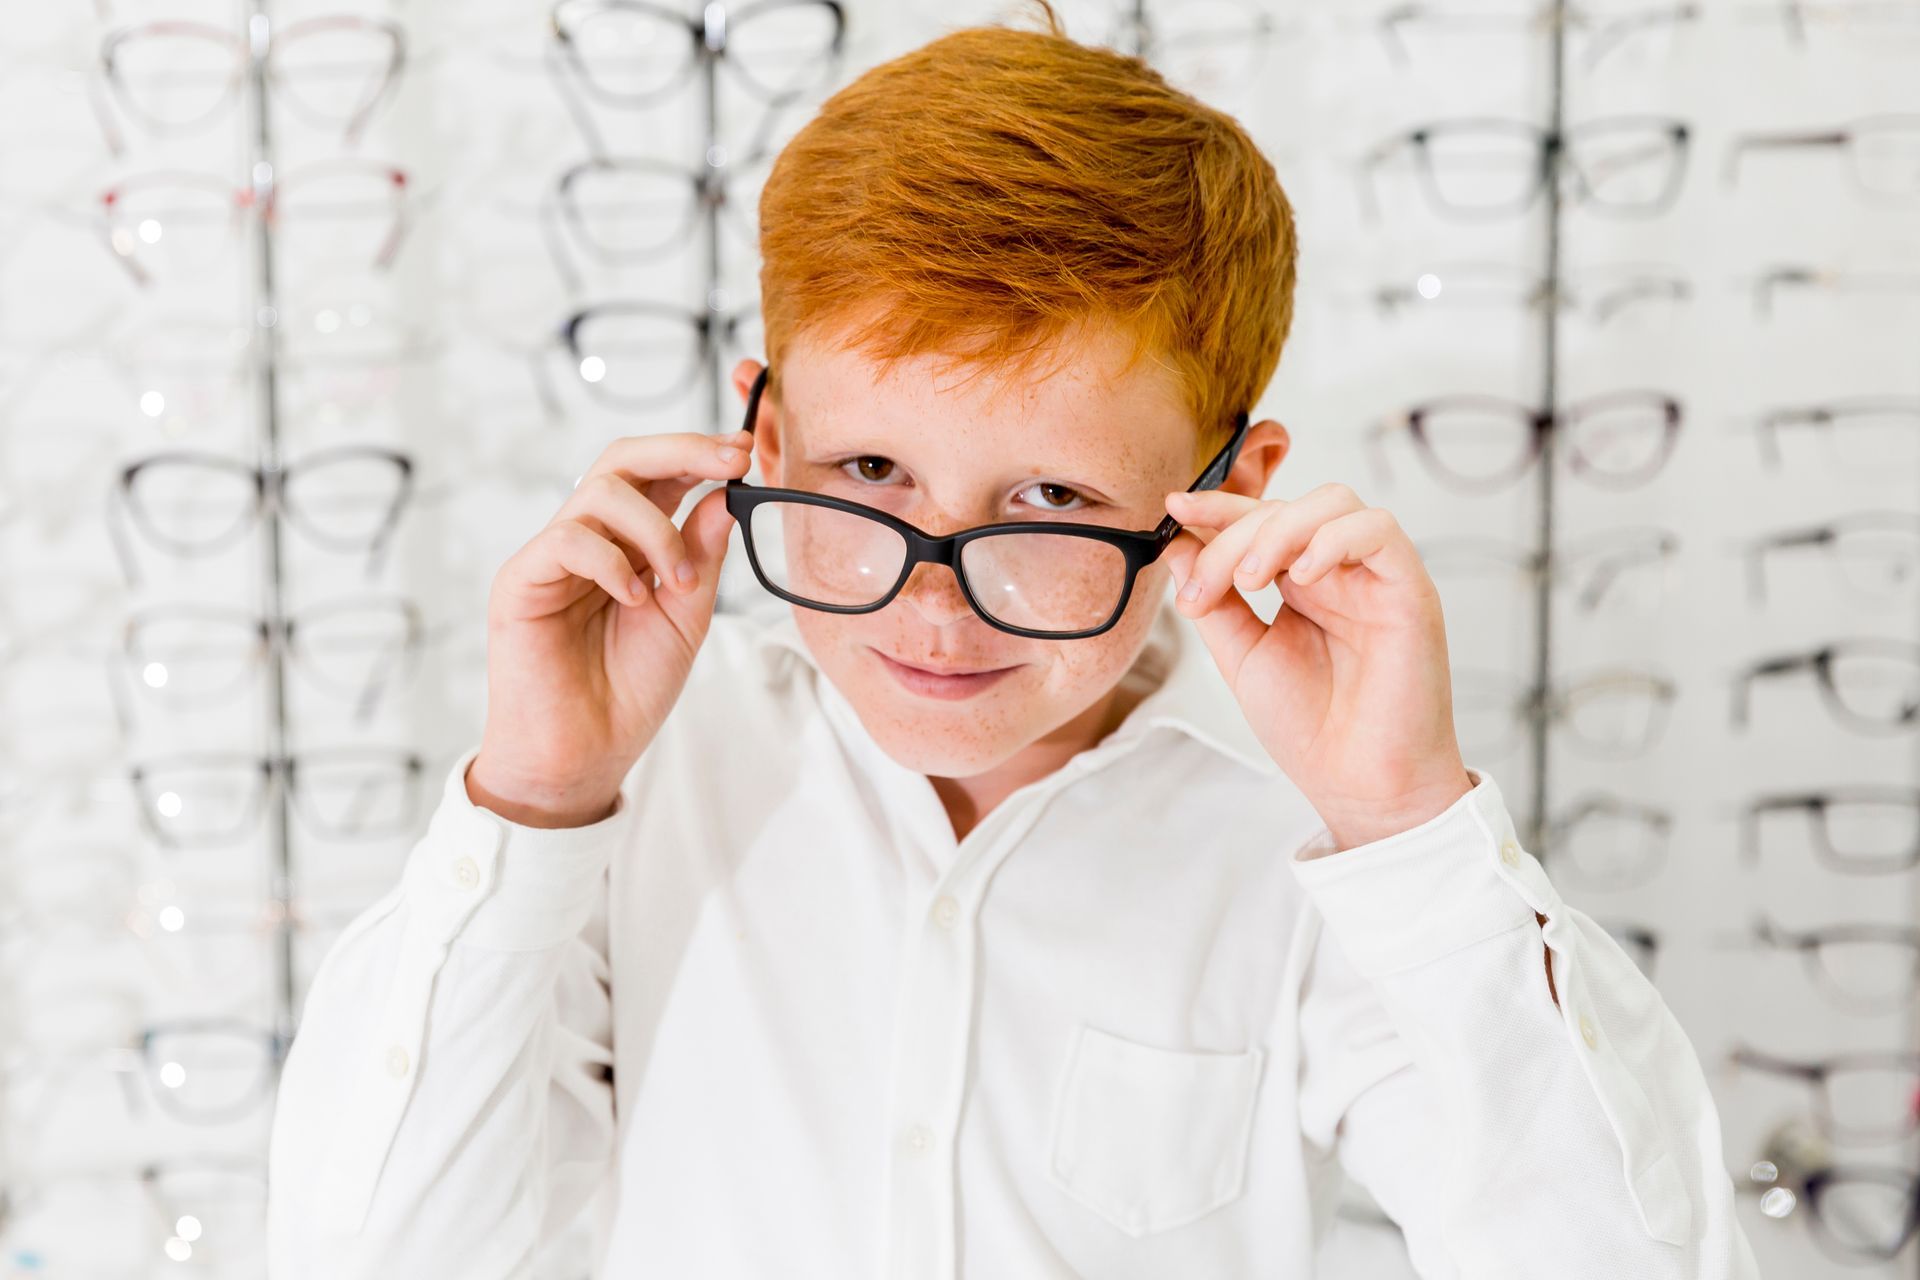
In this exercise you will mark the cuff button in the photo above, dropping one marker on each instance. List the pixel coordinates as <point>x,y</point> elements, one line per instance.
<point>466,873</point>
<point>1510,853</point>
<point>397,1062</point>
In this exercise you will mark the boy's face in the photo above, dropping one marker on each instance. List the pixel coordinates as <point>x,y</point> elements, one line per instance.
<point>948,451</point>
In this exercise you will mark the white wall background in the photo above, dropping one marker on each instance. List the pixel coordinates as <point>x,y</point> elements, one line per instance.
<point>448,354</point>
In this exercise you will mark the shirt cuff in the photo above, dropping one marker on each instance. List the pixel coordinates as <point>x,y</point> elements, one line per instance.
<point>1458,878</point>
<point>495,883</point>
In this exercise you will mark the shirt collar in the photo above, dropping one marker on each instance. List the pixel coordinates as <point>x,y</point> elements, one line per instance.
<point>1189,694</point>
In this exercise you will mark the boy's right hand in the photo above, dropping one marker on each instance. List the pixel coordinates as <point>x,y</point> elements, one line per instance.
<point>586,653</point>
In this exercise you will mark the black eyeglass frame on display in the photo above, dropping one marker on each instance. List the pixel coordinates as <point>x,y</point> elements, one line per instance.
<point>1140,547</point>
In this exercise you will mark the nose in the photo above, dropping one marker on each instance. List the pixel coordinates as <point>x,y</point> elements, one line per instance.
<point>934,593</point>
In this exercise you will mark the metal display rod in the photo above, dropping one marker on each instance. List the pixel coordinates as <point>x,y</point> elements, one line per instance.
<point>1538,721</point>
<point>265,348</point>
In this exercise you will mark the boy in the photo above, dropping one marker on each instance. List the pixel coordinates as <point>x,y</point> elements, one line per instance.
<point>988,915</point>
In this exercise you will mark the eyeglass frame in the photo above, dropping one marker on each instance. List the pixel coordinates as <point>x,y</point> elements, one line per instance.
<point>1140,547</point>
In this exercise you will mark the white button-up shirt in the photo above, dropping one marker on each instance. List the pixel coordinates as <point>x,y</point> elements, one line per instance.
<point>770,1019</point>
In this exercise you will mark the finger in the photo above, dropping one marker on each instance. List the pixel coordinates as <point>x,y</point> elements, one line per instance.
<point>1372,537</point>
<point>1230,628</point>
<point>665,466</point>
<point>1211,574</point>
<point>1208,508</point>
<point>1281,538</point>
<point>569,549</point>
<point>609,499</point>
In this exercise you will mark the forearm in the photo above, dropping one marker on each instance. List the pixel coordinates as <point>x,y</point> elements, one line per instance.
<point>445,1105</point>
<point>1569,1116</point>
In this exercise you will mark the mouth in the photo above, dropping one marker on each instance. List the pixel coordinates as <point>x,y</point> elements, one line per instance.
<point>949,684</point>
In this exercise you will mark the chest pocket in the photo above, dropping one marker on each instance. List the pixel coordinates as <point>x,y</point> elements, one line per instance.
<point>1151,1138</point>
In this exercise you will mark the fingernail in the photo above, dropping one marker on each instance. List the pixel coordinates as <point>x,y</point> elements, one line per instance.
<point>636,588</point>
<point>727,453</point>
<point>1249,564</point>
<point>1193,590</point>
<point>684,572</point>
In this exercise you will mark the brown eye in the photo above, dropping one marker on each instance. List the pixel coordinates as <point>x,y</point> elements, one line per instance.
<point>1055,497</point>
<point>874,468</point>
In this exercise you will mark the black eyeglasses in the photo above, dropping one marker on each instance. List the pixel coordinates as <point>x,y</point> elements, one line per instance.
<point>1043,579</point>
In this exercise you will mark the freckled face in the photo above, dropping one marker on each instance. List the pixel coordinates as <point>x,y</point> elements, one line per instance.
<point>948,450</point>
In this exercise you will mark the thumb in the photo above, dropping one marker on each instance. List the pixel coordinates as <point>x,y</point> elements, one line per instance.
<point>1231,628</point>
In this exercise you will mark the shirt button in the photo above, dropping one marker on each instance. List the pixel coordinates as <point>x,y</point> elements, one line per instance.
<point>1587,1032</point>
<point>397,1063</point>
<point>919,1138</point>
<point>945,911</point>
<point>1510,853</point>
<point>465,873</point>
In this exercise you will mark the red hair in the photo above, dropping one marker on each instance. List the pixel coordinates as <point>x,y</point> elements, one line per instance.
<point>982,195</point>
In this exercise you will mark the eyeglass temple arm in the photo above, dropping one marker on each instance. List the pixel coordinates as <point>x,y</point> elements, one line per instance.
<point>1215,473</point>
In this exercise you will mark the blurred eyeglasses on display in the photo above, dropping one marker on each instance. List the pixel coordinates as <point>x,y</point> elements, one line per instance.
<point>1875,554</point>
<point>1475,169</point>
<point>1870,685</point>
<point>175,77</point>
<point>1860,829</point>
<point>1881,153</point>
<point>1480,443</point>
<point>345,793</point>
<point>347,498</point>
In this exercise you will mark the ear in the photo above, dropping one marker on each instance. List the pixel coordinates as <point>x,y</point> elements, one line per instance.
<point>766,431</point>
<point>1261,453</point>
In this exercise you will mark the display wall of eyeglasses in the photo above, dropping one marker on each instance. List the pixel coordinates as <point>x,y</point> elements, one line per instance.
<point>310,311</point>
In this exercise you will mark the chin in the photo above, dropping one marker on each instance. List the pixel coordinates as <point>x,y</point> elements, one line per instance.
<point>929,747</point>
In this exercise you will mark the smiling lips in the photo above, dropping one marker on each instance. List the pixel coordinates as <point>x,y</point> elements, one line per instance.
<point>950,684</point>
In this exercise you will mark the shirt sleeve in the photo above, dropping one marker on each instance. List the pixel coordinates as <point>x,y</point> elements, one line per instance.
<point>1507,1135</point>
<point>446,1107</point>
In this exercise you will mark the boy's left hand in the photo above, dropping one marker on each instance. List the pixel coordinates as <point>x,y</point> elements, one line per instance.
<point>1349,687</point>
